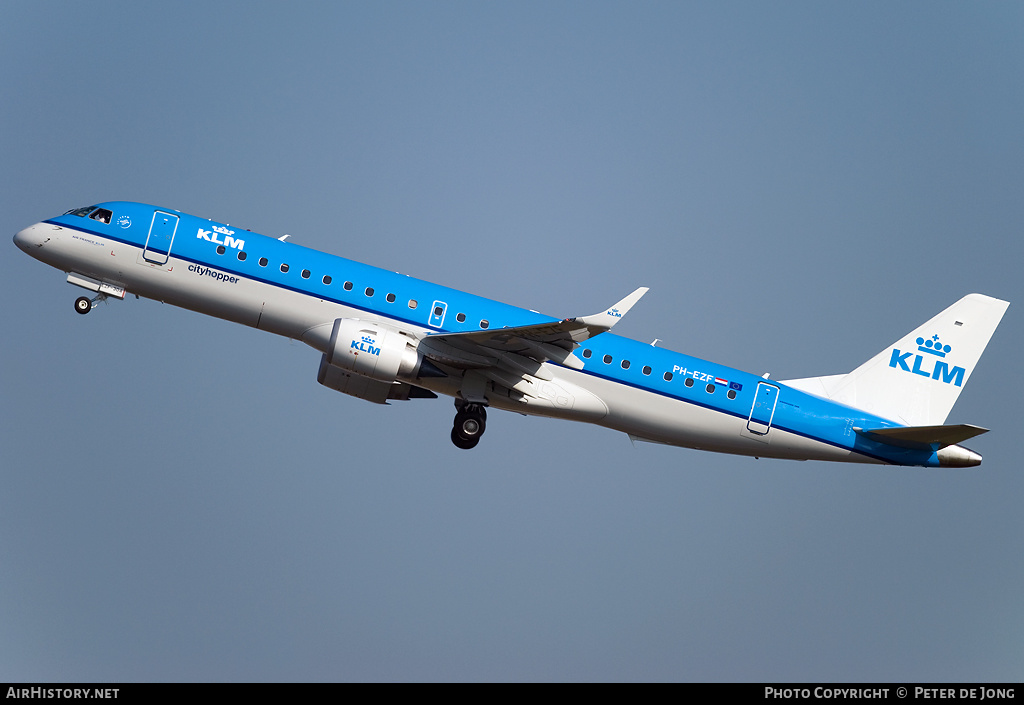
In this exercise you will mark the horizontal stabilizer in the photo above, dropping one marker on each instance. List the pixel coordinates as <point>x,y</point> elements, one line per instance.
<point>923,437</point>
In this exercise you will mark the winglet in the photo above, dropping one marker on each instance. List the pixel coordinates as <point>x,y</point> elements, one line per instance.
<point>600,322</point>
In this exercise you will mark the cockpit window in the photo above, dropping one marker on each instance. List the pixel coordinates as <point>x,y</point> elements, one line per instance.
<point>81,212</point>
<point>102,215</point>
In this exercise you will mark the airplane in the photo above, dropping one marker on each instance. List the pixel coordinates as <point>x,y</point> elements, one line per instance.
<point>385,336</point>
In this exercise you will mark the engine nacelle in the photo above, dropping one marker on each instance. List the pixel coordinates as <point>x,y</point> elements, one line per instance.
<point>365,388</point>
<point>372,350</point>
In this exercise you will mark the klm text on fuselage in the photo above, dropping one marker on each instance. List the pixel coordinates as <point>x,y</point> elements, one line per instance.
<point>228,241</point>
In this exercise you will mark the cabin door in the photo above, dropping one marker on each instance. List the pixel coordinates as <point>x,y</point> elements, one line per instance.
<point>161,235</point>
<point>761,413</point>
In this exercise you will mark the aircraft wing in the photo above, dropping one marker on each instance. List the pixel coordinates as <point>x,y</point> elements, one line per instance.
<point>539,342</point>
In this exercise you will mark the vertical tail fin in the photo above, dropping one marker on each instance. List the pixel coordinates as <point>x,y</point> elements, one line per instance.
<point>916,380</point>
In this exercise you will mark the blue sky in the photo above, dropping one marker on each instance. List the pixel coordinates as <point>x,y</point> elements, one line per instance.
<point>799,183</point>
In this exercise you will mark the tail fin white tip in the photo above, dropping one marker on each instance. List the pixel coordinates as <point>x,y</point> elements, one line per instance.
<point>916,380</point>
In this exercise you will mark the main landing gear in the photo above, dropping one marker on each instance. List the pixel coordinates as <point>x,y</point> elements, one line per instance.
<point>83,304</point>
<point>470,422</point>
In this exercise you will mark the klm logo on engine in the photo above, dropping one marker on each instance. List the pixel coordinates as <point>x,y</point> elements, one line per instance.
<point>228,241</point>
<point>930,353</point>
<point>366,345</point>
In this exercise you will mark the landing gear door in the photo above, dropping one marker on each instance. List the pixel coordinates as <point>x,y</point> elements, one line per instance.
<point>437,312</point>
<point>161,236</point>
<point>763,410</point>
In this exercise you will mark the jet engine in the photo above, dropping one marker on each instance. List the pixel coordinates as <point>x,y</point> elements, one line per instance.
<point>372,350</point>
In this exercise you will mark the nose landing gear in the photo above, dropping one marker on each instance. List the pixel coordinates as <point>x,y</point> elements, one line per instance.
<point>470,423</point>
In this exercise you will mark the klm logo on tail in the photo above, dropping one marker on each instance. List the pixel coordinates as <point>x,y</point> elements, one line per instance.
<point>929,352</point>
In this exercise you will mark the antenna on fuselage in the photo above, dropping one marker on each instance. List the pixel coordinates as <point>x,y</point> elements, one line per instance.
<point>284,237</point>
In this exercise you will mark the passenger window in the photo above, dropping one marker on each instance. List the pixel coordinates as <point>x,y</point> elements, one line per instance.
<point>284,268</point>
<point>646,370</point>
<point>327,279</point>
<point>220,249</point>
<point>625,364</point>
<point>461,318</point>
<point>689,382</point>
<point>263,261</point>
<point>390,298</point>
<point>668,376</point>
<point>348,286</point>
<point>710,388</point>
<point>305,274</point>
<point>369,291</point>
<point>485,323</point>
<point>587,353</point>
<point>413,303</point>
<point>242,256</point>
<point>607,359</point>
<point>731,394</point>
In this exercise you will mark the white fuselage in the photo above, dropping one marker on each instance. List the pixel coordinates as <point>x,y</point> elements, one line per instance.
<point>649,393</point>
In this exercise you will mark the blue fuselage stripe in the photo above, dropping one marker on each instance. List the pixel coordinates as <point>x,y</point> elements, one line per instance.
<point>789,415</point>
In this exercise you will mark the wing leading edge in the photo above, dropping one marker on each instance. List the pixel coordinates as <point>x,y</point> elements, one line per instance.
<point>539,342</point>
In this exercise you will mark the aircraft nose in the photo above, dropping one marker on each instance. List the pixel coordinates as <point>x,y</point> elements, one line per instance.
<point>29,238</point>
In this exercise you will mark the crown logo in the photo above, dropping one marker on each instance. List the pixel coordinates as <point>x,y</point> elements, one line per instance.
<point>368,340</point>
<point>932,346</point>
<point>222,230</point>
